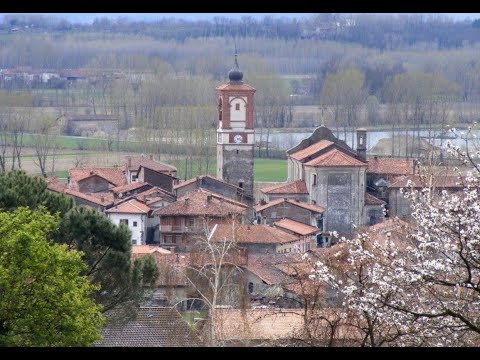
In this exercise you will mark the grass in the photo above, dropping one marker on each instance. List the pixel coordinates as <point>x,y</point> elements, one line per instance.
<point>270,170</point>
<point>263,169</point>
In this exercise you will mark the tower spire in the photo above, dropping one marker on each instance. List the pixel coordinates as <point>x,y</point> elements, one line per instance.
<point>235,74</point>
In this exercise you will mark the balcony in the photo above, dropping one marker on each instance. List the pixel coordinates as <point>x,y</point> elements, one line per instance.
<point>173,228</point>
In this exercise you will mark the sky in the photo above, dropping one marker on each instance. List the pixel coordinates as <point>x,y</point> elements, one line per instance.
<point>89,17</point>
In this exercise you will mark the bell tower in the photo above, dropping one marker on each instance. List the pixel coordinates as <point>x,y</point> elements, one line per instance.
<point>235,131</point>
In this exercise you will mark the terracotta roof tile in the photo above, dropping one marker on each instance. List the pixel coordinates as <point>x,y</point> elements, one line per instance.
<point>295,187</point>
<point>148,249</point>
<point>265,267</point>
<point>57,187</point>
<point>132,206</point>
<point>390,166</point>
<point>311,150</point>
<point>137,161</point>
<point>115,176</point>
<point>296,227</point>
<point>314,208</point>
<point>372,200</point>
<point>262,234</point>
<point>335,158</point>
<point>201,202</point>
<point>447,181</point>
<point>129,187</point>
<point>200,177</point>
<point>155,193</point>
<point>102,199</point>
<point>150,327</point>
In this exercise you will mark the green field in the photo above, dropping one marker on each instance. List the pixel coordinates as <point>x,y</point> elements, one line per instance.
<point>270,170</point>
<point>263,169</point>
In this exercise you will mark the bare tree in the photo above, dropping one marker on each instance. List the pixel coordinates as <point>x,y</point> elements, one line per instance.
<point>214,272</point>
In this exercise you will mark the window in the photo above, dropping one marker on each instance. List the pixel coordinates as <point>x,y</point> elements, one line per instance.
<point>250,287</point>
<point>240,185</point>
<point>190,222</point>
<point>134,178</point>
<point>124,221</point>
<point>237,106</point>
<point>320,222</point>
<point>168,239</point>
<point>134,224</point>
<point>134,241</point>
<point>314,179</point>
<point>237,152</point>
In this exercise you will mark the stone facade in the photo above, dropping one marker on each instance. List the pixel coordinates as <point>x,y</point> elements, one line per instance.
<point>155,178</point>
<point>94,184</point>
<point>341,191</point>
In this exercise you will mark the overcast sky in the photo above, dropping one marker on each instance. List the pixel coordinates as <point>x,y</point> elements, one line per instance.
<point>89,17</point>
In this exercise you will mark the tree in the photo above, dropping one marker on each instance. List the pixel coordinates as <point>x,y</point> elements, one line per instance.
<point>18,189</point>
<point>212,271</point>
<point>421,286</point>
<point>44,144</point>
<point>106,250</point>
<point>45,301</point>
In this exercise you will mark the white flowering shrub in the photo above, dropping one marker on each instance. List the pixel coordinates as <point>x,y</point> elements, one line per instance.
<point>418,285</point>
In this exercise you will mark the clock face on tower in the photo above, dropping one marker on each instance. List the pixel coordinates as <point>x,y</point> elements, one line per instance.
<point>238,139</point>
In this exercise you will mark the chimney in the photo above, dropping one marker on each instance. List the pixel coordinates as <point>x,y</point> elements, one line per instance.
<point>129,162</point>
<point>262,202</point>
<point>151,156</point>
<point>91,172</point>
<point>102,199</point>
<point>187,201</point>
<point>362,144</point>
<point>209,198</point>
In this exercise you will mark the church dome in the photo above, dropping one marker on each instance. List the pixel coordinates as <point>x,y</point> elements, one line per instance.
<point>235,74</point>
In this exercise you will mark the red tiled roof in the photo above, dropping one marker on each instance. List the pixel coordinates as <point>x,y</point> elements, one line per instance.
<point>390,166</point>
<point>335,158</point>
<point>296,227</point>
<point>295,187</point>
<point>311,150</point>
<point>447,181</point>
<point>262,234</point>
<point>129,187</point>
<point>229,86</point>
<point>372,200</point>
<point>200,177</point>
<point>148,249</point>
<point>201,202</point>
<point>314,208</point>
<point>265,266</point>
<point>155,192</point>
<point>55,186</point>
<point>132,206</point>
<point>115,176</point>
<point>95,199</point>
<point>137,161</point>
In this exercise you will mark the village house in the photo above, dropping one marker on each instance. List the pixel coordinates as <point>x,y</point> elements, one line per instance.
<point>133,163</point>
<point>135,215</point>
<point>400,206</point>
<point>267,213</point>
<point>258,238</point>
<point>88,125</point>
<point>381,171</point>
<point>296,190</point>
<point>95,179</point>
<point>156,178</point>
<point>310,236</point>
<point>212,184</point>
<point>155,198</point>
<point>189,217</point>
